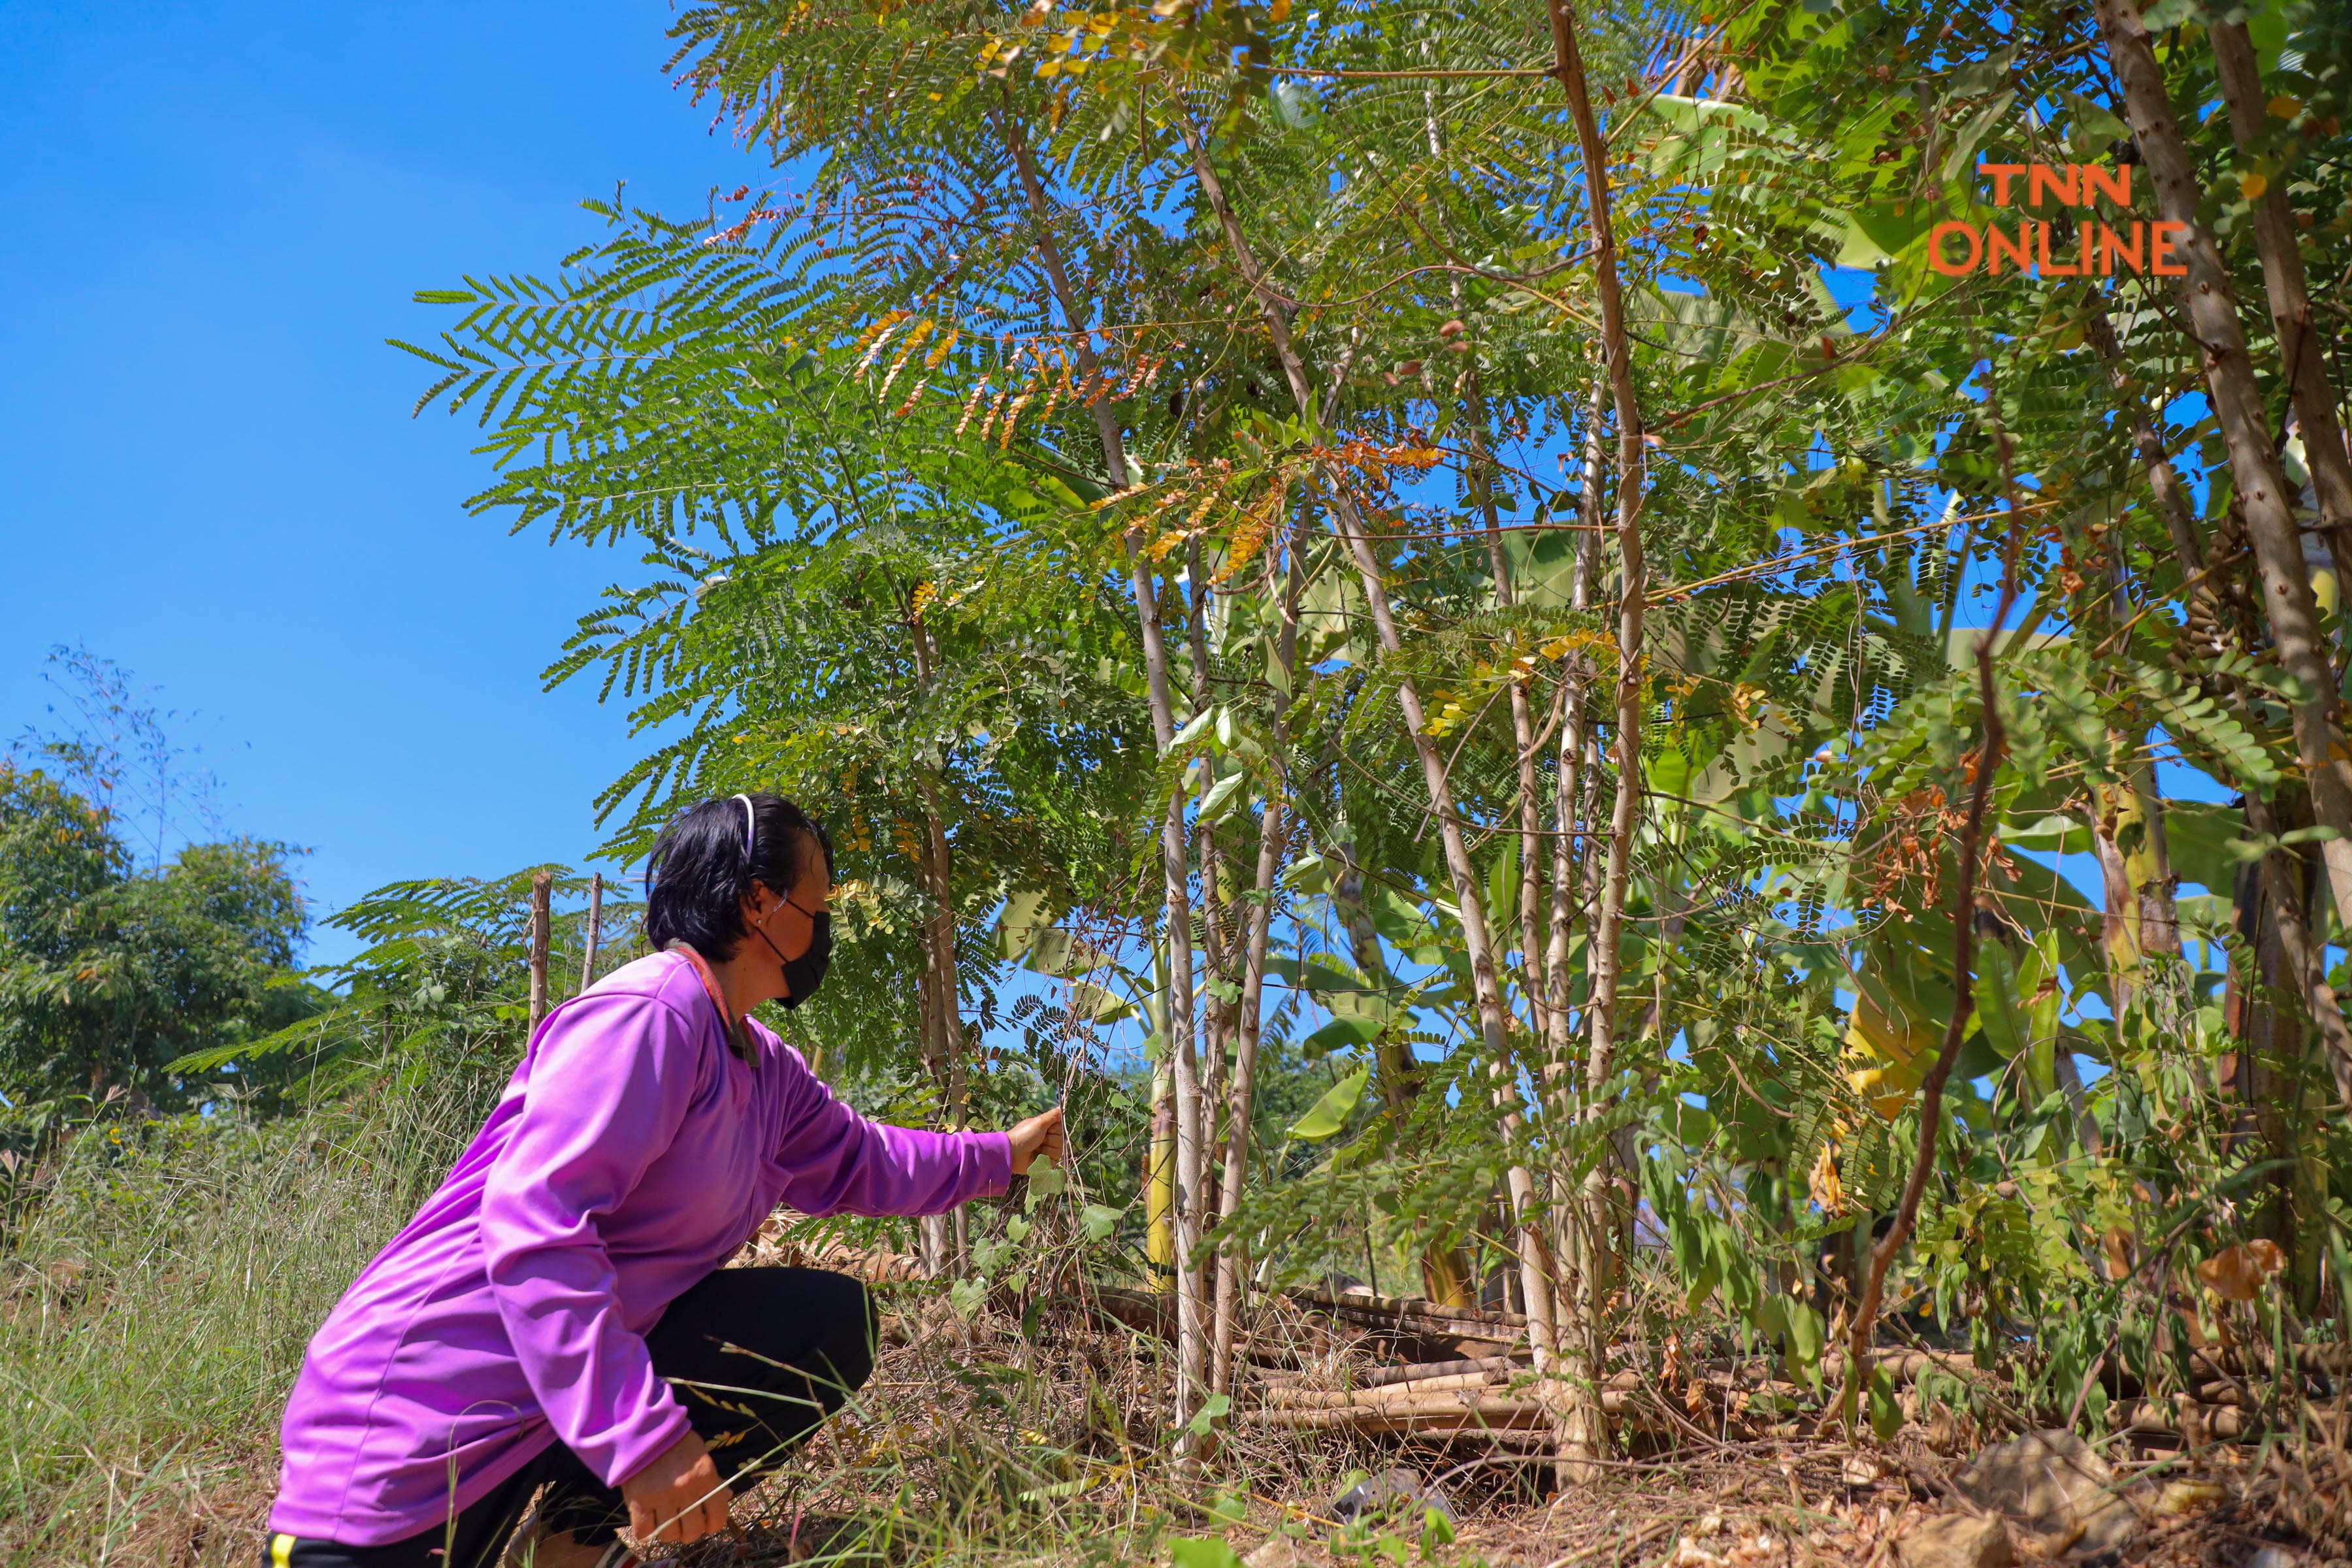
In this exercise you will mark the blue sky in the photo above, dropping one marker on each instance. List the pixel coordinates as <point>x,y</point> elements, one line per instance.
<point>216,213</point>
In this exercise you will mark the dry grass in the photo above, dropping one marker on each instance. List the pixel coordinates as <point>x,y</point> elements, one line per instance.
<point>155,1307</point>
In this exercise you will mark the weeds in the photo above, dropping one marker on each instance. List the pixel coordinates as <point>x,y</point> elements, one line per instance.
<point>154,1307</point>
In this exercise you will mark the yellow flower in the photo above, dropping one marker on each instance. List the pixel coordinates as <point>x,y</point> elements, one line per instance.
<point>2253,185</point>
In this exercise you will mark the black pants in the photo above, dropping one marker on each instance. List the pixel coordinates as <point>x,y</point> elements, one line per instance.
<point>758,1356</point>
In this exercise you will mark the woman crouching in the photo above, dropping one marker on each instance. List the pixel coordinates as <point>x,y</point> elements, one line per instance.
<point>555,1323</point>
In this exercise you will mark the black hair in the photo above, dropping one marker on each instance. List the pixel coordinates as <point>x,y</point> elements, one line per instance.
<point>705,861</point>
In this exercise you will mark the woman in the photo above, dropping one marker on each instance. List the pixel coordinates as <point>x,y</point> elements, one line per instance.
<point>554,1321</point>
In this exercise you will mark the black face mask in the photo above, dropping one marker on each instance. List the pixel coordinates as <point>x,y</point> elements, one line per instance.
<point>805,973</point>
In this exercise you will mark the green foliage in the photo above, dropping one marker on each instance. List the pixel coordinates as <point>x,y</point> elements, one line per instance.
<point>869,389</point>
<point>108,975</point>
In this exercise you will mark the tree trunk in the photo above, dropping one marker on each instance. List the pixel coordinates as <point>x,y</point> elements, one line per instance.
<point>1586,1436</point>
<point>2163,482</point>
<point>1485,984</point>
<point>1220,960</point>
<point>1272,836</point>
<point>2235,65</point>
<point>938,1244</point>
<point>944,1235</point>
<point>1191,1349</point>
<point>2210,305</point>
<point>1572,864</point>
<point>1444,1273</point>
<point>2271,1058</point>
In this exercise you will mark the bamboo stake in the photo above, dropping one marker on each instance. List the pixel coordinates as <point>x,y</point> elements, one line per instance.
<point>595,929</point>
<point>541,884</point>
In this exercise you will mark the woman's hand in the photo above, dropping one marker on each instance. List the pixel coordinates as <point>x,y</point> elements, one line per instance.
<point>679,1497</point>
<point>1038,1136</point>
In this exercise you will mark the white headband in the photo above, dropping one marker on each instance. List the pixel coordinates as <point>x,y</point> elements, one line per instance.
<point>750,827</point>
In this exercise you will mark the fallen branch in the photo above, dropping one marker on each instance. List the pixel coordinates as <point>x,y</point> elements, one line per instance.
<point>1902,1366</point>
<point>1413,1372</point>
<point>2193,1419</point>
<point>1413,1310</point>
<point>1381,1398</point>
<point>1442,1414</point>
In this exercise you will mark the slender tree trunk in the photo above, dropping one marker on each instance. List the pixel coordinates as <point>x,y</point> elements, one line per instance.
<point>1191,1348</point>
<point>2273,1057</point>
<point>1523,730</point>
<point>2163,483</point>
<point>1584,1441</point>
<point>946,1234</point>
<point>1271,839</point>
<point>953,1054</point>
<point>2134,858</point>
<point>1572,815</point>
<point>1588,497</point>
<point>1444,1273</point>
<point>934,1008</point>
<point>2311,977</point>
<point>2313,400</point>
<point>2211,304</point>
<point>1535,1260</point>
<point>1987,770</point>
<point>1492,1018</point>
<point>1218,955</point>
<point>2305,959</point>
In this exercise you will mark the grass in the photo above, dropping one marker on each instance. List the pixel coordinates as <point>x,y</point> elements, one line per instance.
<point>155,1301</point>
<point>153,1307</point>
<point>156,1296</point>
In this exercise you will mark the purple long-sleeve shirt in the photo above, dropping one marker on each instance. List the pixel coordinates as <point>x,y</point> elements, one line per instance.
<point>631,1152</point>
